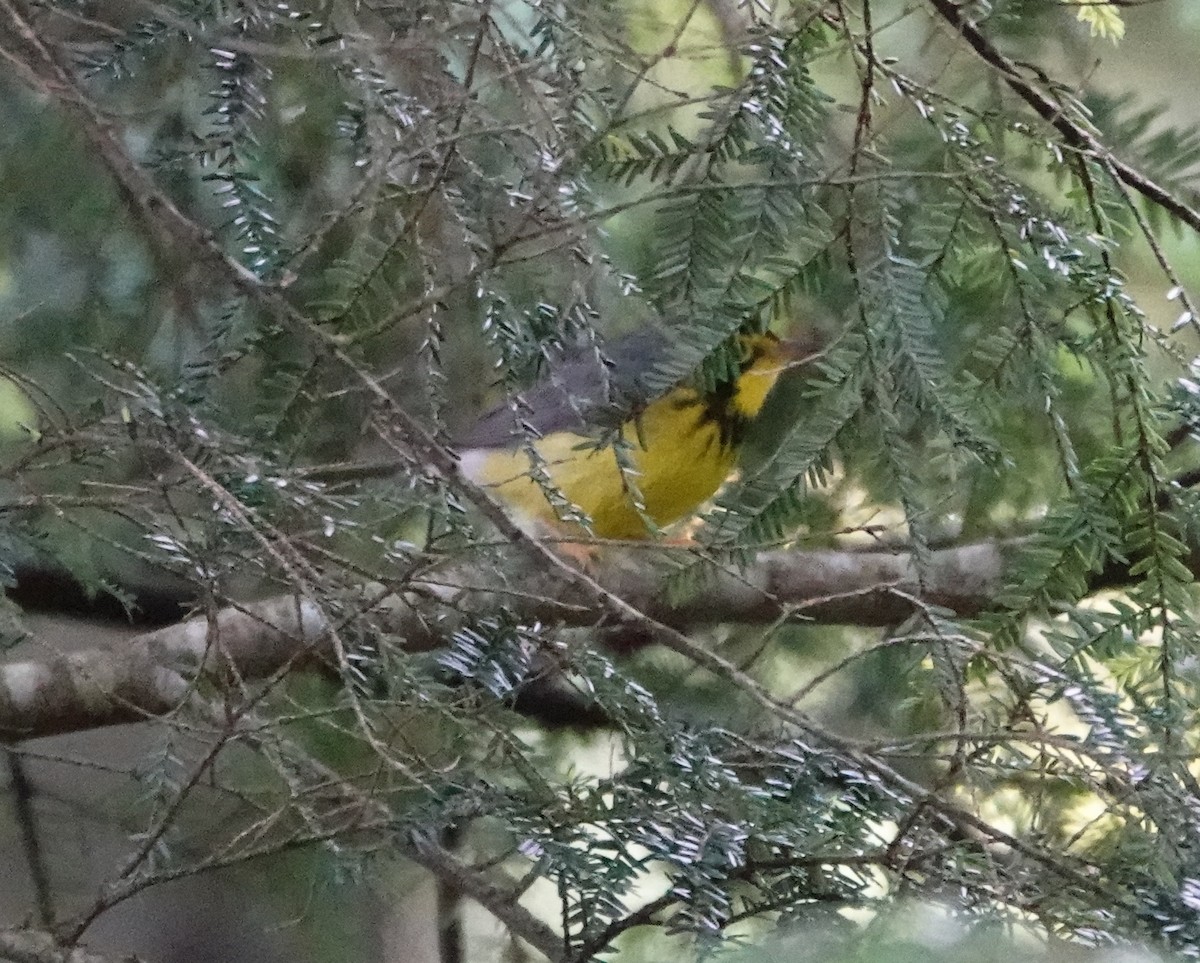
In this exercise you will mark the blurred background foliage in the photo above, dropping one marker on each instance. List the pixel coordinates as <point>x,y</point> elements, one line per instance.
<point>459,192</point>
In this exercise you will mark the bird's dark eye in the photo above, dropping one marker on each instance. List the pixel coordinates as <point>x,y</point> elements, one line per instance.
<point>751,351</point>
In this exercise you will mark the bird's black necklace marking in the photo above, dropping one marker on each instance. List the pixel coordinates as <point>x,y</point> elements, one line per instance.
<point>717,408</point>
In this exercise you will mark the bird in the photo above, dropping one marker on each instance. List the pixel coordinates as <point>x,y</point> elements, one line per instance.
<point>591,451</point>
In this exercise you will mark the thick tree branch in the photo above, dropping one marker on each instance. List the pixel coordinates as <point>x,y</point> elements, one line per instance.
<point>154,673</point>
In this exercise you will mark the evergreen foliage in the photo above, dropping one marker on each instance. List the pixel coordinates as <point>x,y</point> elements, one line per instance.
<point>447,198</point>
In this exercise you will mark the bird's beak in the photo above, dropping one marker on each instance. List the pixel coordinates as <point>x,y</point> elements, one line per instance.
<point>800,350</point>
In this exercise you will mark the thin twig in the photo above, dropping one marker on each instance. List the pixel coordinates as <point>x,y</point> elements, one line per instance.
<point>31,843</point>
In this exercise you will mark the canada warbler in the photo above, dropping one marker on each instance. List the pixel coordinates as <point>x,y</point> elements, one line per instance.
<point>592,438</point>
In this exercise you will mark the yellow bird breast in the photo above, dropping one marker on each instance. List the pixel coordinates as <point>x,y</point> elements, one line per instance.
<point>674,453</point>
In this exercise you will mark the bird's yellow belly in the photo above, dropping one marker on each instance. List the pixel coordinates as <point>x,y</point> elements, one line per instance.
<point>676,457</point>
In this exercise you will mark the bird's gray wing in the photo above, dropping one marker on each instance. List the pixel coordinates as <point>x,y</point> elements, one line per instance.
<point>579,395</point>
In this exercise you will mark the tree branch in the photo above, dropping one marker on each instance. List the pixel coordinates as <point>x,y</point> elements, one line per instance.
<point>164,683</point>
<point>35,946</point>
<point>153,674</point>
<point>31,844</point>
<point>1055,114</point>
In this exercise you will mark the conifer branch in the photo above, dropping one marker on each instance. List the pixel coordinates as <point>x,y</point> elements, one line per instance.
<point>156,672</point>
<point>1060,117</point>
<point>758,235</point>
